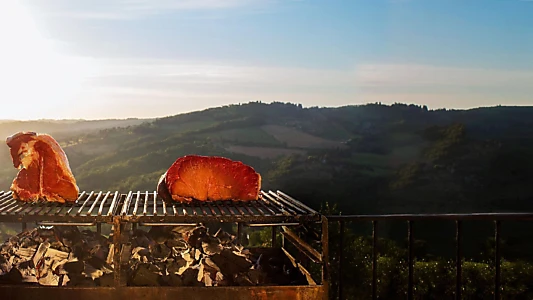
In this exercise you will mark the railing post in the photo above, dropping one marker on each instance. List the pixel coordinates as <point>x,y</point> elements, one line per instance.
<point>374,259</point>
<point>410,294</point>
<point>458,260</point>
<point>497,279</point>
<point>340,256</point>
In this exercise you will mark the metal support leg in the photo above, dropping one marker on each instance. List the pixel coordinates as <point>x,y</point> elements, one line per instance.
<point>239,233</point>
<point>458,260</point>
<point>340,259</point>
<point>374,259</point>
<point>497,258</point>
<point>274,232</point>
<point>118,247</point>
<point>325,257</point>
<point>410,283</point>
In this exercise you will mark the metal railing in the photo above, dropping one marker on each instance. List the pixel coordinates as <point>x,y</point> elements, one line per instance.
<point>497,218</point>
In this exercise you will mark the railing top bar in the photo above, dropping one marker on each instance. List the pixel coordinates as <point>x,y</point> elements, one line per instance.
<point>429,217</point>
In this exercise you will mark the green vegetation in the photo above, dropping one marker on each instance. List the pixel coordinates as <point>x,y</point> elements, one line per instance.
<point>366,159</point>
<point>369,159</point>
<point>434,276</point>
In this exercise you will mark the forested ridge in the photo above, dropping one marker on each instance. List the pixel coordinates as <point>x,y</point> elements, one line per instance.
<point>365,159</point>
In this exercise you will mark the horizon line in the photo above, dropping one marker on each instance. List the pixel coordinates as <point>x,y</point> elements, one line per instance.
<point>260,102</point>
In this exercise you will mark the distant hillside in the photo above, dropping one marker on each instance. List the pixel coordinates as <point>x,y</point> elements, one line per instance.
<point>365,159</point>
<point>368,158</point>
<point>65,127</point>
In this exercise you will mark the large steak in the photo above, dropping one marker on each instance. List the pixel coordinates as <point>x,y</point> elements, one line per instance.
<point>209,178</point>
<point>44,171</point>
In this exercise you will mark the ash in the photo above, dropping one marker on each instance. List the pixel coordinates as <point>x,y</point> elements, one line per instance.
<point>191,256</point>
<point>57,256</point>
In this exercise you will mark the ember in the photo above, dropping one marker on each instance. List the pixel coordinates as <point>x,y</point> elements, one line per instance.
<point>57,256</point>
<point>191,256</point>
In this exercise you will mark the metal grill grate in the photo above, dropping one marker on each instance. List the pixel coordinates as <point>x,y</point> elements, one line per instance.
<point>149,207</point>
<point>271,207</point>
<point>89,207</point>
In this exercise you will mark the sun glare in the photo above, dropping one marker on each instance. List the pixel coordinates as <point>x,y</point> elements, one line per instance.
<point>34,76</point>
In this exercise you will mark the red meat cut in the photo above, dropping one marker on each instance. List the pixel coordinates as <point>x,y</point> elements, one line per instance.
<point>44,171</point>
<point>209,178</point>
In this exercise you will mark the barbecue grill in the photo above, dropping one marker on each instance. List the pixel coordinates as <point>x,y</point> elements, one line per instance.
<point>125,211</point>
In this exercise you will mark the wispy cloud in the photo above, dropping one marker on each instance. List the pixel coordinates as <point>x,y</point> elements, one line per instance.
<point>182,72</point>
<point>134,9</point>
<point>178,86</point>
<point>416,76</point>
<point>439,86</point>
<point>158,87</point>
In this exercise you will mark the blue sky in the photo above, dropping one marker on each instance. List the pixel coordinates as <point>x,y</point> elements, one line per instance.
<point>148,58</point>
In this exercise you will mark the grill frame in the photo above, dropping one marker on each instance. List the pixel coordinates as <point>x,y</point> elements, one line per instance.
<point>274,209</point>
<point>15,292</point>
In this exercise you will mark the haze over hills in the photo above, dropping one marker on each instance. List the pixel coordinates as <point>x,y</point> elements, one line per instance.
<point>65,127</point>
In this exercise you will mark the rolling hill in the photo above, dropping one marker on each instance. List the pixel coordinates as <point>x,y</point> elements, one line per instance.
<point>368,158</point>
<point>364,159</point>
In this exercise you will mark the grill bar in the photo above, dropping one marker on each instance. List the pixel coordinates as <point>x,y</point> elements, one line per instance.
<point>90,207</point>
<point>287,203</point>
<point>305,207</point>
<point>271,207</point>
<point>113,207</point>
<point>155,202</point>
<point>137,204</point>
<point>84,203</point>
<point>96,202</point>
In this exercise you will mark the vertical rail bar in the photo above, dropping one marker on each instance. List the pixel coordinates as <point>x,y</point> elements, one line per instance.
<point>325,257</point>
<point>374,259</point>
<point>274,229</point>
<point>99,228</point>
<point>497,279</point>
<point>459,259</point>
<point>410,294</point>
<point>24,226</point>
<point>340,256</point>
